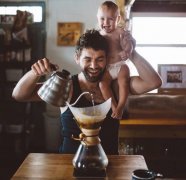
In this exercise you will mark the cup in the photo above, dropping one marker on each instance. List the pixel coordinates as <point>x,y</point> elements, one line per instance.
<point>144,174</point>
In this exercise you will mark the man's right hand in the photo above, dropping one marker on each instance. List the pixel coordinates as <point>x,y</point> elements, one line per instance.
<point>43,67</point>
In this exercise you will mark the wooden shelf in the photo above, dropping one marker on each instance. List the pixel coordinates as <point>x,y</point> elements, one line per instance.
<point>153,128</point>
<point>154,122</point>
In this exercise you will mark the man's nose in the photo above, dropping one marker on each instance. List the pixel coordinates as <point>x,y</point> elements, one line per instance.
<point>93,65</point>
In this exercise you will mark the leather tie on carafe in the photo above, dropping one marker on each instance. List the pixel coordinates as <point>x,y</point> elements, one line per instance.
<point>88,140</point>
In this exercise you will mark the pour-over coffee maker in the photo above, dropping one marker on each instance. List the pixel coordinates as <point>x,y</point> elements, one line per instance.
<point>90,159</point>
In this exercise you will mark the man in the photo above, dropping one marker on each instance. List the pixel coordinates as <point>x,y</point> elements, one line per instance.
<point>91,54</point>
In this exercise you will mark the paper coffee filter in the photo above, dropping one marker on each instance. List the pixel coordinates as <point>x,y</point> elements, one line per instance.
<point>96,113</point>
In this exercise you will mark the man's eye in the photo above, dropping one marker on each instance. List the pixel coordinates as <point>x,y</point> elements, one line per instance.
<point>100,60</point>
<point>87,60</point>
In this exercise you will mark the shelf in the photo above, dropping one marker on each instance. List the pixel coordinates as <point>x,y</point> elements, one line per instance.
<point>153,128</point>
<point>13,64</point>
<point>166,156</point>
<point>15,45</point>
<point>154,122</point>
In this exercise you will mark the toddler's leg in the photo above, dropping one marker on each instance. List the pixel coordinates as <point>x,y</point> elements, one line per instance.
<point>123,84</point>
<point>105,87</point>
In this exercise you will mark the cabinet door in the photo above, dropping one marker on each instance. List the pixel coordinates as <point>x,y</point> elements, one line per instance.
<point>38,42</point>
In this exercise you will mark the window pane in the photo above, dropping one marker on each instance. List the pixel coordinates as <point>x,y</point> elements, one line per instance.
<point>160,38</point>
<point>2,10</point>
<point>159,30</point>
<point>11,10</point>
<point>163,55</point>
<point>35,10</point>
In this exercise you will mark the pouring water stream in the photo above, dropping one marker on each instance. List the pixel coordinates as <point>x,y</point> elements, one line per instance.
<point>92,99</point>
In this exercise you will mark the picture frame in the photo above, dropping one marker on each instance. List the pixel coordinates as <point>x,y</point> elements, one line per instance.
<point>173,77</point>
<point>68,33</point>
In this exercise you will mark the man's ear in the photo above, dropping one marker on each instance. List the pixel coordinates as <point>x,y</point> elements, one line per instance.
<point>76,58</point>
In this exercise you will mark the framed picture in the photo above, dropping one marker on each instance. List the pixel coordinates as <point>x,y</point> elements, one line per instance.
<point>174,78</point>
<point>68,33</point>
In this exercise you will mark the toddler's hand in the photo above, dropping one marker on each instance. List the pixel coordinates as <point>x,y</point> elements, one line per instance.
<point>117,113</point>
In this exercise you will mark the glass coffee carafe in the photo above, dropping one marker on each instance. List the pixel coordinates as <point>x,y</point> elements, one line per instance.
<point>90,158</point>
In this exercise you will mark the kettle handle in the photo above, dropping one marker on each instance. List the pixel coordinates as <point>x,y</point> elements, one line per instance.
<point>53,67</point>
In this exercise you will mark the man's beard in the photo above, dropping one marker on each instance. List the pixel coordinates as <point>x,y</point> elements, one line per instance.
<point>93,78</point>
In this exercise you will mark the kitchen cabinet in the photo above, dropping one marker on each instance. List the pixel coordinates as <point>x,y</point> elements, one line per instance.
<point>15,59</point>
<point>14,64</point>
<point>162,142</point>
<point>21,123</point>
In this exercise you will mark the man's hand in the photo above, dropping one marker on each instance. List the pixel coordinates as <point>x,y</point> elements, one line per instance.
<point>43,67</point>
<point>126,36</point>
<point>127,43</point>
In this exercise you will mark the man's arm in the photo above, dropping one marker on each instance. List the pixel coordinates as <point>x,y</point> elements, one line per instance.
<point>27,87</point>
<point>148,78</point>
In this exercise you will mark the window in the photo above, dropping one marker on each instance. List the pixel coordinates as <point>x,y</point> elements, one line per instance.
<point>35,10</point>
<point>160,38</point>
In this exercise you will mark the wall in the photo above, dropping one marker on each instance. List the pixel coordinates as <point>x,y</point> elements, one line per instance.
<point>83,11</point>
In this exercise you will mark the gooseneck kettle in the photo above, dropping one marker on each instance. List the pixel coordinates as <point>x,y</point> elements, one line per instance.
<point>56,89</point>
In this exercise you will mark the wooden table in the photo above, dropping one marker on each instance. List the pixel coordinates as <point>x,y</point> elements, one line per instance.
<point>59,166</point>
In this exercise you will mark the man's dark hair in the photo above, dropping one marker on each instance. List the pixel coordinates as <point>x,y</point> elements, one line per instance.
<point>92,39</point>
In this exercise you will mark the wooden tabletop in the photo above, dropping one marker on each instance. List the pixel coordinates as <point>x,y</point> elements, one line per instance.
<point>59,166</point>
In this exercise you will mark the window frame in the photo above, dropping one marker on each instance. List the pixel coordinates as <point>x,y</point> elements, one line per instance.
<point>161,45</point>
<point>157,14</point>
